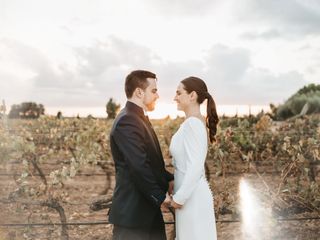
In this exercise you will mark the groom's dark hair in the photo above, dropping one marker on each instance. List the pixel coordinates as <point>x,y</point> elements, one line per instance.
<point>137,79</point>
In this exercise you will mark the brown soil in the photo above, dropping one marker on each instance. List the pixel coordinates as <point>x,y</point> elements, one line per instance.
<point>80,191</point>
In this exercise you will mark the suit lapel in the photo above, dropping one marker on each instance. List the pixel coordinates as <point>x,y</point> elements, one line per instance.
<point>133,108</point>
<point>153,135</point>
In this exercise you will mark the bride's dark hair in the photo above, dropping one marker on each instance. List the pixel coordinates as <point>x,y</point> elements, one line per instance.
<point>198,85</point>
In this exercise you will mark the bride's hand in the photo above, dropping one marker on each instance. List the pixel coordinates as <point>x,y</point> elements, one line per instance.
<point>175,205</point>
<point>171,185</point>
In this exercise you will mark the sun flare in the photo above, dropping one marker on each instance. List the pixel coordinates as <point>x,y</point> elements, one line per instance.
<point>256,220</point>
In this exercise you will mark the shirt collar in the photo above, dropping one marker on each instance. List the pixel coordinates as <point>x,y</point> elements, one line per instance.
<point>135,108</point>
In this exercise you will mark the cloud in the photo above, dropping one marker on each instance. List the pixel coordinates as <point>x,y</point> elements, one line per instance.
<point>112,52</point>
<point>286,18</point>
<point>43,71</point>
<point>100,70</point>
<point>43,81</point>
<point>105,64</point>
<point>227,64</point>
<point>263,86</point>
<point>98,73</point>
<point>258,87</point>
<point>232,79</point>
<point>24,54</point>
<point>176,8</point>
<point>267,35</point>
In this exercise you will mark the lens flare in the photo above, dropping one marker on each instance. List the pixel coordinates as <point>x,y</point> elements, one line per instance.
<point>256,220</point>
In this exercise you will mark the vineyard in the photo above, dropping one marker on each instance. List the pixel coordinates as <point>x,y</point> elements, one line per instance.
<point>57,176</point>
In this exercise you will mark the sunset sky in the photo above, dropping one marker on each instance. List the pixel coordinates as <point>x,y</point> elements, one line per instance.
<point>73,55</point>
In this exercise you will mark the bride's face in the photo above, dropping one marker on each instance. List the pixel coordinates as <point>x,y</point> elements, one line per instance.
<point>182,98</point>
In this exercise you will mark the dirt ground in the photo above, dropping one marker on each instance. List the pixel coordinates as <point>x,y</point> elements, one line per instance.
<point>80,191</point>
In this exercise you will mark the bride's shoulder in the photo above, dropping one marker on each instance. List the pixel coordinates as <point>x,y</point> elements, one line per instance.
<point>194,122</point>
<point>194,128</point>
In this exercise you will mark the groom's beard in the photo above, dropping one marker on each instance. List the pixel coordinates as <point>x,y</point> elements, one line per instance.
<point>150,106</point>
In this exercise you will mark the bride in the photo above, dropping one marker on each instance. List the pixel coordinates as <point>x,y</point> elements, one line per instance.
<point>192,196</point>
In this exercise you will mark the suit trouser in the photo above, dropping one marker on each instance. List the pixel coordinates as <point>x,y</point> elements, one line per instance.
<point>123,233</point>
<point>156,232</point>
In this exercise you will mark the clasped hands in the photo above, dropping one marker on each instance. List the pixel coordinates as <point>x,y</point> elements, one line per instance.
<point>169,202</point>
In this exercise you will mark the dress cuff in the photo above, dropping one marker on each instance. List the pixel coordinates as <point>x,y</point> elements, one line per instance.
<point>178,200</point>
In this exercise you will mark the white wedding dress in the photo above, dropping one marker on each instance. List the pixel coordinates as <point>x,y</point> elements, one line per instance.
<point>195,220</point>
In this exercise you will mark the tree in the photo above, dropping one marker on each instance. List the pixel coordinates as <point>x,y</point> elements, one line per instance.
<point>59,115</point>
<point>304,101</point>
<point>309,88</point>
<point>3,109</point>
<point>26,110</point>
<point>112,108</point>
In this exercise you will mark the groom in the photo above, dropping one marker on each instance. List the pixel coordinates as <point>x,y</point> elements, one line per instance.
<point>141,178</point>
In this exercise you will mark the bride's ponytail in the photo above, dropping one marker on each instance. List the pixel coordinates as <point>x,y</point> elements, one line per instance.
<point>212,118</point>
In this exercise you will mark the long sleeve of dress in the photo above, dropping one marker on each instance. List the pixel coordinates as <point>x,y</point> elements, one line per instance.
<point>195,144</point>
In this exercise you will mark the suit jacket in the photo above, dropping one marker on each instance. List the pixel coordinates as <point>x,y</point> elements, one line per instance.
<point>141,177</point>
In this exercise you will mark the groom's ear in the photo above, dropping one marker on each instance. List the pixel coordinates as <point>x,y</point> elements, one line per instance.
<point>138,93</point>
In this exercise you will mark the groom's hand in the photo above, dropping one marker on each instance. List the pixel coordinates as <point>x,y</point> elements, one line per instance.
<point>171,185</point>
<point>167,202</point>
